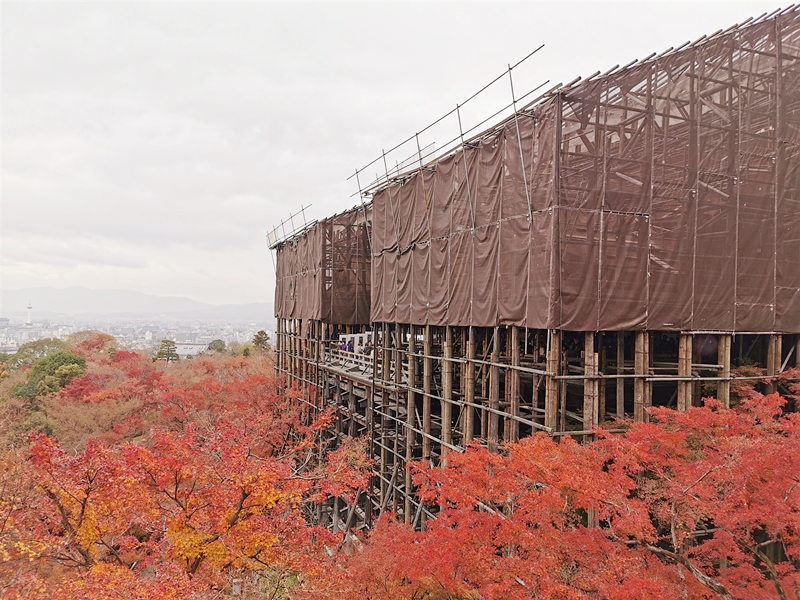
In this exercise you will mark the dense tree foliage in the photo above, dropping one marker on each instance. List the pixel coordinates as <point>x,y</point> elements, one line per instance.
<point>190,482</point>
<point>195,479</point>
<point>697,504</point>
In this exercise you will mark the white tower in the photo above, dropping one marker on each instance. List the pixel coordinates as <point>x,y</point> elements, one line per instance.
<point>29,314</point>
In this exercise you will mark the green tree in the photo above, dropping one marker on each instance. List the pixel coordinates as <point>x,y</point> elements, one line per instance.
<point>168,351</point>
<point>261,340</point>
<point>217,346</point>
<point>244,350</point>
<point>29,353</point>
<point>50,374</point>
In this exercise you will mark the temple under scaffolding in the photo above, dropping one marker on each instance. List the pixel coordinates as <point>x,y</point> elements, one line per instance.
<point>622,242</point>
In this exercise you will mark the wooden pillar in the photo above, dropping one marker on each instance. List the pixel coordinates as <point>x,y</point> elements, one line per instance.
<point>426,400</point>
<point>724,359</point>
<point>447,392</point>
<point>486,380</point>
<point>469,392</point>
<point>384,408</point>
<point>620,371</point>
<point>774,352</point>
<point>278,342</point>
<point>551,398</point>
<point>512,432</point>
<point>410,412</point>
<point>304,360</point>
<point>351,408</point>
<point>296,352</point>
<point>797,353</point>
<point>398,438</point>
<point>641,388</point>
<point>601,368</point>
<point>685,370</point>
<point>590,387</point>
<point>494,393</point>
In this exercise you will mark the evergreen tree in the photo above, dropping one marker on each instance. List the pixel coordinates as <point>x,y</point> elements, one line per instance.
<point>168,351</point>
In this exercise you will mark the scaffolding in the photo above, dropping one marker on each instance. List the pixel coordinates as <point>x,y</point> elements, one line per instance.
<point>622,242</point>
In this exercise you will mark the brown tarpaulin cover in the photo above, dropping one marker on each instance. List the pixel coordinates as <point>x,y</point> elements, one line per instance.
<point>668,198</point>
<point>324,273</point>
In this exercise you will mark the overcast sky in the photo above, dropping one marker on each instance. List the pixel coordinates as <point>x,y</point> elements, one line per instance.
<point>151,146</point>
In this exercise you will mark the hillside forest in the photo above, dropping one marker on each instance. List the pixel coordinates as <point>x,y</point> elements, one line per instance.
<point>125,477</point>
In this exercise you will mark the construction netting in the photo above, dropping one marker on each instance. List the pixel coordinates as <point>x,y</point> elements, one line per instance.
<point>324,272</point>
<point>664,196</point>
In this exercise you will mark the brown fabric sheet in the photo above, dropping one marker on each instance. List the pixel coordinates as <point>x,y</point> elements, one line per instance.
<point>665,196</point>
<point>325,273</point>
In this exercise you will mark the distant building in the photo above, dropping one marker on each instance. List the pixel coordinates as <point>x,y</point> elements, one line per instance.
<point>187,350</point>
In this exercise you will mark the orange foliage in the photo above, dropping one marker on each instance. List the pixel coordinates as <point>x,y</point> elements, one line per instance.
<point>196,487</point>
<point>700,504</point>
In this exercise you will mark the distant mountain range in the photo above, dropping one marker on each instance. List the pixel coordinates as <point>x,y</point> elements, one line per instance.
<point>51,303</point>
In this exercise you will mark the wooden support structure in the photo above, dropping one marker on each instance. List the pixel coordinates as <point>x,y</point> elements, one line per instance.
<point>494,393</point>
<point>427,364</point>
<point>590,385</point>
<point>724,359</point>
<point>774,353</point>
<point>551,399</point>
<point>620,371</point>
<point>469,385</point>
<point>685,370</point>
<point>512,429</point>
<point>447,393</point>
<point>411,409</point>
<point>415,396</point>
<point>641,387</point>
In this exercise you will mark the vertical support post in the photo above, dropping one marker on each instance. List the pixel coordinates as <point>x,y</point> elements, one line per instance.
<point>351,408</point>
<point>774,352</point>
<point>590,395</point>
<point>600,370</point>
<point>469,392</point>
<point>494,393</point>
<point>398,438</point>
<point>447,393</point>
<point>410,411</point>
<point>551,383</point>
<point>513,425</point>
<point>426,400</point>
<point>620,371</point>
<point>685,370</point>
<point>278,346</point>
<point>724,358</point>
<point>384,406</point>
<point>641,397</point>
<point>296,351</point>
<point>797,352</point>
<point>304,374</point>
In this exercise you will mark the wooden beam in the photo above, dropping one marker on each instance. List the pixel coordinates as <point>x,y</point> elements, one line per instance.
<point>411,405</point>
<point>774,352</point>
<point>426,399</point>
<point>469,392</point>
<point>551,383</point>
<point>685,370</point>
<point>724,359</point>
<point>641,398</point>
<point>447,393</point>
<point>600,370</point>
<point>494,393</point>
<point>513,425</point>
<point>620,371</point>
